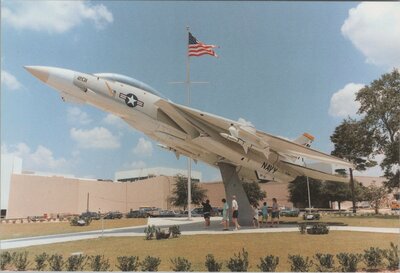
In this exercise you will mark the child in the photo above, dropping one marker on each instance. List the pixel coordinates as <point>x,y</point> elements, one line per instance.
<point>264,210</point>
<point>255,217</point>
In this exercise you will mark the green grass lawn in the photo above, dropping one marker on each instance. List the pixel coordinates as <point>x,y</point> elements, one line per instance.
<point>196,247</point>
<point>359,221</point>
<point>10,231</point>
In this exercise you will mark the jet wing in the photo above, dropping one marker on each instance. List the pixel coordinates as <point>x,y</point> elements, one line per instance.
<point>315,173</point>
<point>277,144</point>
<point>283,146</point>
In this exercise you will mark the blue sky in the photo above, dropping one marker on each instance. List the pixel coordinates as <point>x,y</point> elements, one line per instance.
<point>286,67</point>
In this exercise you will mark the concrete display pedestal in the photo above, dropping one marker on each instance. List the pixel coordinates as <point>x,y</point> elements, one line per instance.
<point>233,186</point>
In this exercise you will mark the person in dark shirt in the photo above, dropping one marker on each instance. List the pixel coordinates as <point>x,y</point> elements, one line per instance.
<point>206,212</point>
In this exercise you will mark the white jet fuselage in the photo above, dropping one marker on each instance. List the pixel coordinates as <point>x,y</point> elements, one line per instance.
<point>186,131</point>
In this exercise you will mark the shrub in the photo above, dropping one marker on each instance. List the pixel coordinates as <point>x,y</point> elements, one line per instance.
<point>268,263</point>
<point>98,263</point>
<point>326,263</point>
<point>56,262</point>
<point>180,264</point>
<point>20,260</point>
<point>5,259</point>
<point>348,261</point>
<point>392,255</point>
<point>175,231</point>
<point>40,261</point>
<point>150,230</point>
<point>128,263</point>
<point>239,262</point>
<point>211,264</point>
<point>303,228</point>
<point>373,257</point>
<point>76,262</point>
<point>320,228</point>
<point>150,264</point>
<point>299,264</point>
<point>160,234</point>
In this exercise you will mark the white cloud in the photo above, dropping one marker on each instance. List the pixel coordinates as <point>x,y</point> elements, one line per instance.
<point>96,138</point>
<point>116,121</point>
<point>373,28</point>
<point>76,115</point>
<point>9,81</point>
<point>143,147</point>
<point>343,102</point>
<point>54,16</point>
<point>41,159</point>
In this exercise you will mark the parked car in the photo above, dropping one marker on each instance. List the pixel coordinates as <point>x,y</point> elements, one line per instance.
<point>311,216</point>
<point>113,215</point>
<point>167,213</point>
<point>134,214</point>
<point>150,211</point>
<point>90,214</point>
<point>196,212</point>
<point>289,212</point>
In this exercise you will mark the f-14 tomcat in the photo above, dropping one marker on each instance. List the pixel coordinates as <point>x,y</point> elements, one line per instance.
<point>253,155</point>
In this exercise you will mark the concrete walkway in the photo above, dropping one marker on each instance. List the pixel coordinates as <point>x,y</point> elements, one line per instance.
<point>187,227</point>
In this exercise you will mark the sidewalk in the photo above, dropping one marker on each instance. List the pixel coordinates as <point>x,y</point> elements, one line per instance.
<point>195,226</point>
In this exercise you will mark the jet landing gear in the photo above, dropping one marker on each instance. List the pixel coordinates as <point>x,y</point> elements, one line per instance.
<point>233,186</point>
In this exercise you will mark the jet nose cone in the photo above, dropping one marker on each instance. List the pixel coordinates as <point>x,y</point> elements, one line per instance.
<point>40,72</point>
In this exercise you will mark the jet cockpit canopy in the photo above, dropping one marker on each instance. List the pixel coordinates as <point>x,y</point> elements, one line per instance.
<point>129,81</point>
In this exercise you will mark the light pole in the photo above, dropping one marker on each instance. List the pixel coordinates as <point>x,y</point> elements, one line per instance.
<point>102,224</point>
<point>308,189</point>
<point>309,195</point>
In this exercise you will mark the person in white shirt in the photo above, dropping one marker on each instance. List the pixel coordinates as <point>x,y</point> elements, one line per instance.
<point>235,212</point>
<point>256,223</point>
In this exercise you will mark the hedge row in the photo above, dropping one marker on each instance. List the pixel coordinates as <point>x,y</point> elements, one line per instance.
<point>374,258</point>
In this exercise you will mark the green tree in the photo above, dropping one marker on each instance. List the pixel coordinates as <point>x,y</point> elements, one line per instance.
<point>254,192</point>
<point>298,193</point>
<point>179,196</point>
<point>376,196</point>
<point>354,142</point>
<point>336,192</point>
<point>380,107</point>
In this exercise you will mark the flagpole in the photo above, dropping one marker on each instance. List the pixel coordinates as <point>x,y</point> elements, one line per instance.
<point>188,104</point>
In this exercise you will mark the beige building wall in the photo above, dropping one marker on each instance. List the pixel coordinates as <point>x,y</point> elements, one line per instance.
<point>33,195</point>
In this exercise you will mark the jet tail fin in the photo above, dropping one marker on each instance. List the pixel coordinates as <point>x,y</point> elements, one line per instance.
<point>305,140</point>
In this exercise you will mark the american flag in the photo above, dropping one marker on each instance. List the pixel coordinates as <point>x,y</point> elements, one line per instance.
<point>197,48</point>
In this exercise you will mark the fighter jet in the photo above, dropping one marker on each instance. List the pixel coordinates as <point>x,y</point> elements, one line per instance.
<point>217,141</point>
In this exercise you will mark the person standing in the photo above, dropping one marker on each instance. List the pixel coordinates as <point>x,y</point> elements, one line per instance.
<point>225,208</point>
<point>206,212</point>
<point>235,212</point>
<point>264,211</point>
<point>275,212</point>
<point>256,223</point>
